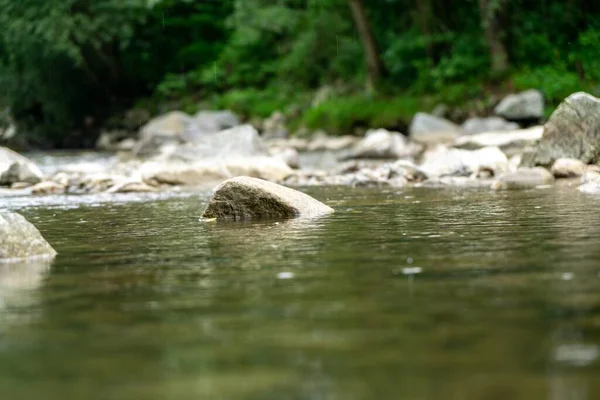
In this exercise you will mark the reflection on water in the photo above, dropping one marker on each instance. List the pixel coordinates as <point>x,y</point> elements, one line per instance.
<point>416,294</point>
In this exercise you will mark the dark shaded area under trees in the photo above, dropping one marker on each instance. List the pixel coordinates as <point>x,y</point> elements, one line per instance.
<point>69,68</point>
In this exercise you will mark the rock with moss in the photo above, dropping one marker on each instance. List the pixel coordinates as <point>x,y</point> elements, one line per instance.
<point>19,239</point>
<point>245,198</point>
<point>573,131</point>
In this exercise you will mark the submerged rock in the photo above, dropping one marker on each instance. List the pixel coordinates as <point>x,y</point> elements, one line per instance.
<point>250,198</point>
<point>568,168</point>
<point>524,178</point>
<point>383,144</point>
<point>522,106</point>
<point>426,128</point>
<point>573,131</point>
<point>20,239</point>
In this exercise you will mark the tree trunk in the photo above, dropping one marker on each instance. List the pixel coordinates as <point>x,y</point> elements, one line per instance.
<point>375,67</point>
<point>489,10</point>
<point>424,10</point>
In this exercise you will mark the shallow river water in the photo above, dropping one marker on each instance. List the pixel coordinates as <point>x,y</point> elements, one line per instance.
<point>401,294</point>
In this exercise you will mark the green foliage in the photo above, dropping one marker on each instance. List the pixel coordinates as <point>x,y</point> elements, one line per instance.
<point>253,102</point>
<point>66,65</point>
<point>341,116</point>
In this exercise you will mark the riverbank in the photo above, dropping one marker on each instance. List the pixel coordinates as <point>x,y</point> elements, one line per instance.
<point>178,150</point>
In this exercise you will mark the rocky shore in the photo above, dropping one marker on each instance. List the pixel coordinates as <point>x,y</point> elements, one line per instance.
<point>175,150</point>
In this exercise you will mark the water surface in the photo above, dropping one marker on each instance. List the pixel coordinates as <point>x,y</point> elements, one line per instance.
<point>401,294</point>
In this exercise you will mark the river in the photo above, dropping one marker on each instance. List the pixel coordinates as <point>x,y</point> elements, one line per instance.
<point>401,294</point>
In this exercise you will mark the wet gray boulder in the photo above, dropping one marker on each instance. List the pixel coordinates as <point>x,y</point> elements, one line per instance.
<point>244,198</point>
<point>426,128</point>
<point>573,131</point>
<point>489,124</point>
<point>19,239</point>
<point>526,105</point>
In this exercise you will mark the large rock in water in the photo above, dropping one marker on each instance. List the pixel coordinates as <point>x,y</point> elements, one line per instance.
<point>573,131</point>
<point>250,198</point>
<point>428,129</point>
<point>522,106</point>
<point>20,239</point>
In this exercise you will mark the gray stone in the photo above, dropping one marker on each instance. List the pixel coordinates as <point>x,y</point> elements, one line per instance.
<point>457,162</point>
<point>323,142</point>
<point>426,128</point>
<point>288,155</point>
<point>250,198</point>
<point>21,172</point>
<point>524,178</point>
<point>210,171</point>
<point>510,142</point>
<point>522,106</point>
<point>383,144</point>
<point>240,141</point>
<point>573,131</point>
<point>489,124</point>
<point>568,168</point>
<point>440,111</point>
<point>19,239</point>
<point>590,181</point>
<point>210,122</point>
<point>177,127</point>
<point>48,187</point>
<point>9,157</point>
<point>274,126</point>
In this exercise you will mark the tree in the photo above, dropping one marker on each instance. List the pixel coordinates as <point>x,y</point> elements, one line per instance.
<point>375,66</point>
<point>490,11</point>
